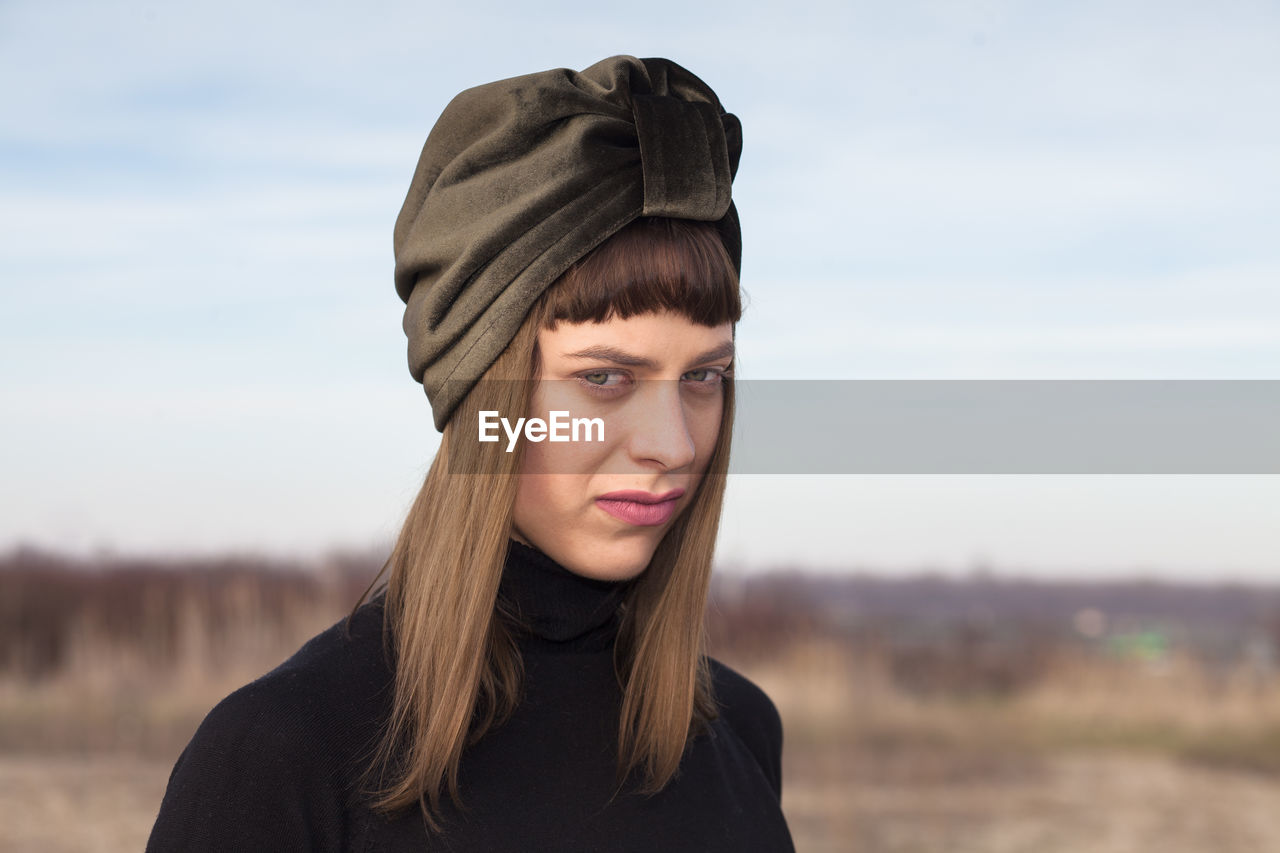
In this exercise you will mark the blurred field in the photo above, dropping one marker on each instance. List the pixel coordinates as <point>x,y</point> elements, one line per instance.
<point>920,715</point>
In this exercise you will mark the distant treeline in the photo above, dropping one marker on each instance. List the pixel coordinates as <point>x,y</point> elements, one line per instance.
<point>933,634</point>
<point>1213,618</point>
<point>51,606</point>
<point>985,634</point>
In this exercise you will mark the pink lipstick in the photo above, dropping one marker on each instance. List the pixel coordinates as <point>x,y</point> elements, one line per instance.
<point>641,508</point>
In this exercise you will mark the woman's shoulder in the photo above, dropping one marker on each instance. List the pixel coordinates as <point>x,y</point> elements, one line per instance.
<point>281,755</point>
<point>317,690</point>
<point>747,709</point>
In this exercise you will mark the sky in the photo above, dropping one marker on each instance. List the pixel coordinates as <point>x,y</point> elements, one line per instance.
<point>200,340</point>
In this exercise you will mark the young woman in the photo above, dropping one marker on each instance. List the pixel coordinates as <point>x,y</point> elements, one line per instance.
<point>533,675</point>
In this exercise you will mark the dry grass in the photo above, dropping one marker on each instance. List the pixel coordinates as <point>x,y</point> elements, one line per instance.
<point>1050,748</point>
<point>92,804</point>
<point>1099,756</point>
<point>1088,803</point>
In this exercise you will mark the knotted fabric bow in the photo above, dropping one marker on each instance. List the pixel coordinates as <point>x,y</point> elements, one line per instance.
<point>522,177</point>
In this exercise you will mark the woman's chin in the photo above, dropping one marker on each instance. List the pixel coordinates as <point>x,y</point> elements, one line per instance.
<point>617,560</point>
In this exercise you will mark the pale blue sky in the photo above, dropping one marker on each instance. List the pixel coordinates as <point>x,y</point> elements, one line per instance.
<point>200,343</point>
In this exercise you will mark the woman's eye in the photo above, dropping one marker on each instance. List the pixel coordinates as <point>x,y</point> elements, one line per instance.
<point>610,382</point>
<point>703,376</point>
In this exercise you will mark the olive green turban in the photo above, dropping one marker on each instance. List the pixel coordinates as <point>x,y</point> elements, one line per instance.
<point>522,177</point>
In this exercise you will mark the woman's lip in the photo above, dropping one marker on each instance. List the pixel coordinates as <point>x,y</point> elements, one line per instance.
<point>645,509</point>
<point>639,497</point>
<point>640,513</point>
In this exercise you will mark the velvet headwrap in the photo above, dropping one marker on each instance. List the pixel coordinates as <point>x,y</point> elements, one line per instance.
<point>522,177</point>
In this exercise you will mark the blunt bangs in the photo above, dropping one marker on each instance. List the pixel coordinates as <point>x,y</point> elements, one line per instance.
<point>652,265</point>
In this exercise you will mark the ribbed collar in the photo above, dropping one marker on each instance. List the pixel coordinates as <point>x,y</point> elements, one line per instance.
<point>564,611</point>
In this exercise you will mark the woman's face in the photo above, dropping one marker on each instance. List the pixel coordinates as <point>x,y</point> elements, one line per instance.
<point>654,381</point>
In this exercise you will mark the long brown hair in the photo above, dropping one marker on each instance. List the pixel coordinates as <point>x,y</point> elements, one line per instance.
<point>458,671</point>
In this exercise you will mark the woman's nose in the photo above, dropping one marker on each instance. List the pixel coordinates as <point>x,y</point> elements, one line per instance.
<point>659,431</point>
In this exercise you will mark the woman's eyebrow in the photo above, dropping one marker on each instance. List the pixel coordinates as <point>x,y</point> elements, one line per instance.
<point>724,350</point>
<point>617,356</point>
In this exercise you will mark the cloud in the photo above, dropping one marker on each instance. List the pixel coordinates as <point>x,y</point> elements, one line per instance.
<point>198,198</point>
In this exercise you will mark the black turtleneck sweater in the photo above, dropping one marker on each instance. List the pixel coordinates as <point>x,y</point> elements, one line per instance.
<point>273,767</point>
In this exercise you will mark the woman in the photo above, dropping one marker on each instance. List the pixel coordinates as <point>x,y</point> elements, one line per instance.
<point>533,677</point>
